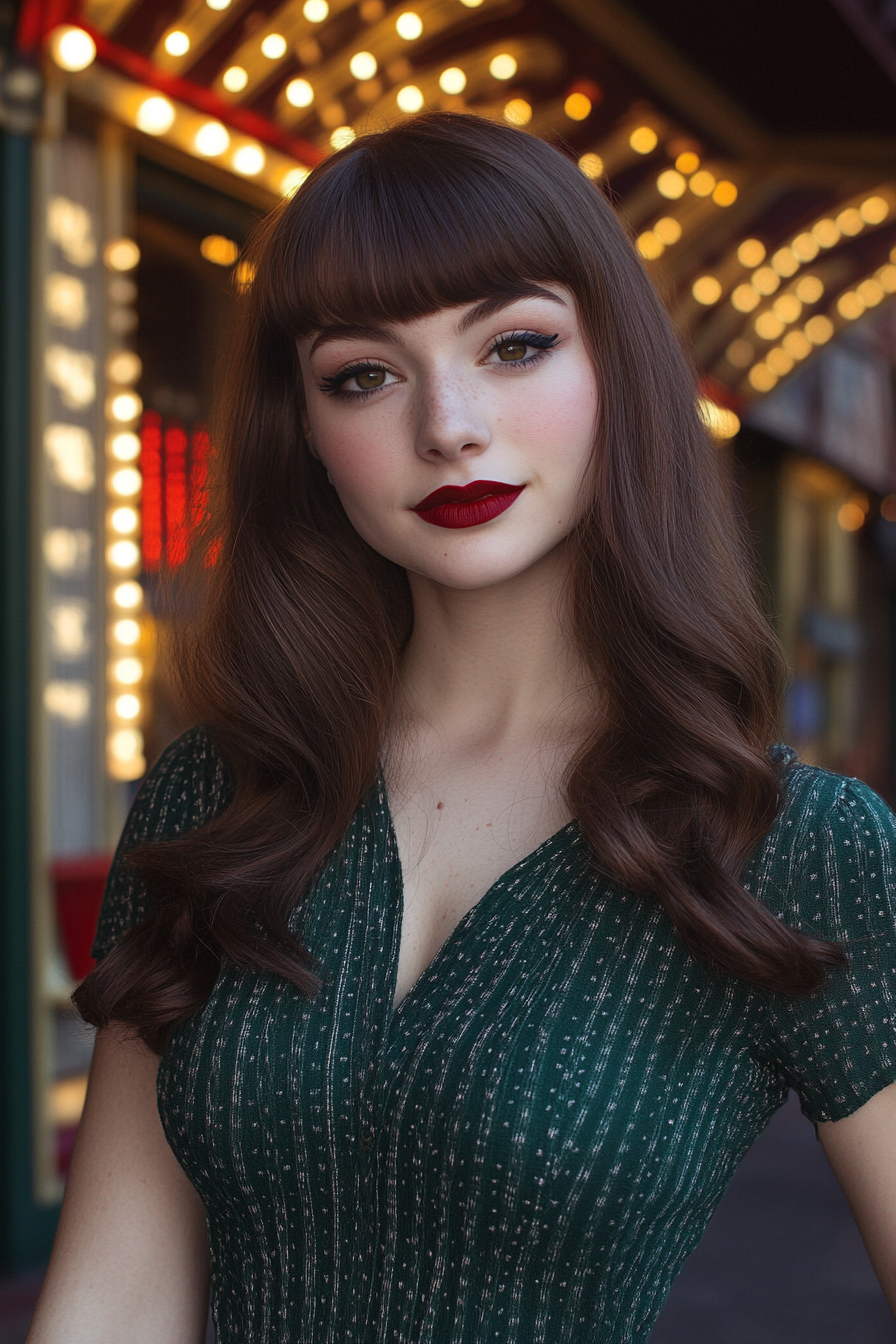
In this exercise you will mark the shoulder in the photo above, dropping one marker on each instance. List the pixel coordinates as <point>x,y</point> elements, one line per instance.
<point>828,864</point>
<point>188,785</point>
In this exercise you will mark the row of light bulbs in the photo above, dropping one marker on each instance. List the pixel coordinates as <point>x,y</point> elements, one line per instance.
<point>796,345</point>
<point>125,758</point>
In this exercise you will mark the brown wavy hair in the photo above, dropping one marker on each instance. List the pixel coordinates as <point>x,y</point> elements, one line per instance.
<point>294,663</point>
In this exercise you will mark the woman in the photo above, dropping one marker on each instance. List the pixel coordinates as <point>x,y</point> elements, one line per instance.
<point>479,929</point>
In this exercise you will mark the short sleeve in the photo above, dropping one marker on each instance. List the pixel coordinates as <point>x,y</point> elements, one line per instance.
<point>837,1047</point>
<point>187,786</point>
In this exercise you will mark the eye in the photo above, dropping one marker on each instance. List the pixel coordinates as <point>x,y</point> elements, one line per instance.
<point>366,378</point>
<point>523,348</point>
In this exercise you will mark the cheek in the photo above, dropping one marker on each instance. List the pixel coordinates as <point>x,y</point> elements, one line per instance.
<point>556,419</point>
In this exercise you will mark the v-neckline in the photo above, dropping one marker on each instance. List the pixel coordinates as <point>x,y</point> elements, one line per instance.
<point>429,972</point>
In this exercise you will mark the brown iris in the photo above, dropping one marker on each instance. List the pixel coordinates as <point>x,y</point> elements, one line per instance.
<point>369,378</point>
<point>512,351</point>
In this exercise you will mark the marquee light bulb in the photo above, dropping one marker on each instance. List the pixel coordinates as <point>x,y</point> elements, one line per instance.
<point>155,115</point>
<point>71,48</point>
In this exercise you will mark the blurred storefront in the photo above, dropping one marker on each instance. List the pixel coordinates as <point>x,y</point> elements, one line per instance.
<point>142,140</point>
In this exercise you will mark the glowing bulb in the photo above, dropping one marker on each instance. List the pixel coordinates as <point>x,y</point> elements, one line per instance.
<point>779,361</point>
<point>851,516</point>
<point>870,292</point>
<point>128,671</point>
<point>126,632</point>
<point>123,555</point>
<point>721,423</point>
<point>805,247</point>
<point>643,139</point>
<point>126,482</point>
<point>592,165</point>
<point>235,79</point>
<point>577,106</point>
<point>706,290</point>
<point>274,46</point>
<point>874,210</point>
<point>341,136</point>
<point>125,447</point>
<point>127,706</point>
<point>249,160</point>
<point>751,252</point>
<point>826,233</point>
<point>219,250</point>
<point>363,65</point>
<point>745,299</point>
<point>409,26</point>
<point>299,93</point>
<point>725,193</point>
<point>452,80</point>
<point>668,230</point>
<point>819,329</point>
<point>702,183</point>
<point>850,222</point>
<point>649,245</point>
<point>503,66</point>
<point>471,4</point>
<point>293,180</point>
<point>687,163</point>
<point>518,112</point>
<point>177,43</point>
<point>671,184</point>
<point>155,115</point>
<point>125,744</point>
<point>762,378</point>
<point>787,307</point>
<point>768,326</point>
<point>123,366</point>
<point>409,99</point>
<point>809,289</point>
<point>71,48</point>
<point>785,262</point>
<point>887,278</point>
<point>121,254</point>
<point>211,139</point>
<point>128,596</point>
<point>124,520</point>
<point>218,4</point>
<point>765,281</point>
<point>740,353</point>
<point>850,306</point>
<point>125,406</point>
<point>797,345</point>
<point>315,11</point>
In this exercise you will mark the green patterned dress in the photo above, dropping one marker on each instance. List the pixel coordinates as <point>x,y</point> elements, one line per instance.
<point>526,1151</point>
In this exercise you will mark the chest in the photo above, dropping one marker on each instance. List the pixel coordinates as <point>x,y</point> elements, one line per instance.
<point>457,830</point>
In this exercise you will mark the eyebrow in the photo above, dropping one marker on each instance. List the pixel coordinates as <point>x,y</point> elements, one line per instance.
<point>487,308</point>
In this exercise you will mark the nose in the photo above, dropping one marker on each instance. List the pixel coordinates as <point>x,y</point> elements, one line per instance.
<point>449,422</point>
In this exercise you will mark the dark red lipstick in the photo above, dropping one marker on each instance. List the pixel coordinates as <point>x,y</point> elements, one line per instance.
<point>467,505</point>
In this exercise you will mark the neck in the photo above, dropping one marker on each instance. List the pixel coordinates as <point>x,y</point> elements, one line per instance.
<point>491,663</point>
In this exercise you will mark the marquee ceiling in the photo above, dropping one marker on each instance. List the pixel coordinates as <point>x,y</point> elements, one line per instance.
<point>764,243</point>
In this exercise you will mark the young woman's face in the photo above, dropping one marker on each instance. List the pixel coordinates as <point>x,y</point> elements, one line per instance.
<point>498,397</point>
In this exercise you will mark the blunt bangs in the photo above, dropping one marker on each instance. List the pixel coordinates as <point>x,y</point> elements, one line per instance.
<point>415,219</point>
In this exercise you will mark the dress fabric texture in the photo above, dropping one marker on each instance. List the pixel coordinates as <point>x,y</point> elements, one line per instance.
<point>528,1148</point>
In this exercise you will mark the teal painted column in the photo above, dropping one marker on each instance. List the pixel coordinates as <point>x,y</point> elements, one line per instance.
<point>27,1229</point>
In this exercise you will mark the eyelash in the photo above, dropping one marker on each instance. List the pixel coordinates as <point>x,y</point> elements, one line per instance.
<point>334,386</point>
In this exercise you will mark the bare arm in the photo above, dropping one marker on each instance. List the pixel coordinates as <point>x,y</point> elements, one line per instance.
<point>130,1259</point>
<point>862,1151</point>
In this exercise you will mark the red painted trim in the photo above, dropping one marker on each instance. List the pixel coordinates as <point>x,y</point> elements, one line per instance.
<point>723,396</point>
<point>39,17</point>
<point>138,68</point>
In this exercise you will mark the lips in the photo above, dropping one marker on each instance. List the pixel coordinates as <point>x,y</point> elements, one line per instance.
<point>467,505</point>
